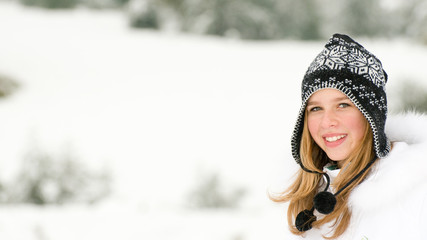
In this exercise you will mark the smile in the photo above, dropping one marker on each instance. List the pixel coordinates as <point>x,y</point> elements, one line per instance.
<point>334,138</point>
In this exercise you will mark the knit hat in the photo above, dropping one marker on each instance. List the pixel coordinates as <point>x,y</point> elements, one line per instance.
<point>347,66</point>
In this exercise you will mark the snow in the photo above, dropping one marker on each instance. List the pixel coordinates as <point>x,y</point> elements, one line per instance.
<point>156,108</point>
<point>89,223</point>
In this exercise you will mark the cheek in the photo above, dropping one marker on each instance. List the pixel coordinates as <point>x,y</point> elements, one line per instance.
<point>313,127</point>
<point>357,125</point>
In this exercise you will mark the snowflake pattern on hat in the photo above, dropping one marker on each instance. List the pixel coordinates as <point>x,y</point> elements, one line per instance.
<point>354,59</point>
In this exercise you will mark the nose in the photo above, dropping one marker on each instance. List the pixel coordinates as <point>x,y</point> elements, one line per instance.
<point>329,119</point>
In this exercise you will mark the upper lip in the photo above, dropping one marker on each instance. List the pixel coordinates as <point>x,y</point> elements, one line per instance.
<point>332,134</point>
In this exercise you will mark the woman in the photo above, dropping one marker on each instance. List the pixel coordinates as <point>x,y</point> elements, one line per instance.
<point>358,179</point>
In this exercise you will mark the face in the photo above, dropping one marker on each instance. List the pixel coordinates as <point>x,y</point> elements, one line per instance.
<point>335,123</point>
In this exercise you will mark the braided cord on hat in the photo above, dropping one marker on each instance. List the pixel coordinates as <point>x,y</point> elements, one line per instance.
<point>324,202</point>
<point>357,176</point>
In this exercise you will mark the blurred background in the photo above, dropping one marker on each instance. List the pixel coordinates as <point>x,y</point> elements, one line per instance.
<point>171,119</point>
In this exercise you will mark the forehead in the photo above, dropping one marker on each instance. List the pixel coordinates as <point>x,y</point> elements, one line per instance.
<point>327,95</point>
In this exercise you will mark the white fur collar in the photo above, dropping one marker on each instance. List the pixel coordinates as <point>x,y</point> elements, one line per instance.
<point>410,128</point>
<point>393,178</point>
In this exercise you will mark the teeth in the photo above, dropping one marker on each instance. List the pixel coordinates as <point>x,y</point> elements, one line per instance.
<point>335,138</point>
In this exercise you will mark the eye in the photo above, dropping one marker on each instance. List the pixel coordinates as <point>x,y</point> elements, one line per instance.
<point>314,109</point>
<point>344,105</point>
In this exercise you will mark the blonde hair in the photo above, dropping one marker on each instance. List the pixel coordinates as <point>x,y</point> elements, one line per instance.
<point>306,185</point>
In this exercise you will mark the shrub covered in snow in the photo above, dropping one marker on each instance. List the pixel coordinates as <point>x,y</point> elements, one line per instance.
<point>7,86</point>
<point>211,192</point>
<point>53,4</point>
<point>412,97</point>
<point>45,179</point>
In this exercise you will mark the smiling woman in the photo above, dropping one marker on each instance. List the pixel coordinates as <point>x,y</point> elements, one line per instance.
<point>348,162</point>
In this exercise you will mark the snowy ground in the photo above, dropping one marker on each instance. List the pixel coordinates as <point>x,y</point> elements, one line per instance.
<point>160,110</point>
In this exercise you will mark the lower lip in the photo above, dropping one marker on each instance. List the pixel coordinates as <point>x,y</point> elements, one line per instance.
<point>334,144</point>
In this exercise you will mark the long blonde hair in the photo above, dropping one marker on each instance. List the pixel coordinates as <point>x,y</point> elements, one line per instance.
<point>301,193</point>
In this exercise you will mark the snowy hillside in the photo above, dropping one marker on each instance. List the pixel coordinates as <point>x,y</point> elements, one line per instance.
<point>159,110</point>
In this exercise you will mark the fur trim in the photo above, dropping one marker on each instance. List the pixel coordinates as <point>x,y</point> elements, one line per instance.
<point>408,127</point>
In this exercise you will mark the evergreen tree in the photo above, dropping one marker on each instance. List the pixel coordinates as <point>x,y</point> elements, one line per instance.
<point>362,18</point>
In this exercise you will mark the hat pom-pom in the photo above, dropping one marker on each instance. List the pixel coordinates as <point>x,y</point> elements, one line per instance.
<point>304,220</point>
<point>324,202</point>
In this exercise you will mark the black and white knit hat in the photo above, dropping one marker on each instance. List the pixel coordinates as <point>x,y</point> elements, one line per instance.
<point>347,66</point>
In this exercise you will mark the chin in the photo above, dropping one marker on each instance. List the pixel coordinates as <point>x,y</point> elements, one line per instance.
<point>336,157</point>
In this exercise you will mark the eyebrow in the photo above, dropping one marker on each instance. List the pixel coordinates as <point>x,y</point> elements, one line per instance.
<point>335,100</point>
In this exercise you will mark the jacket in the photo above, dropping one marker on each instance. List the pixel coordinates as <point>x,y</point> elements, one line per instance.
<point>391,203</point>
